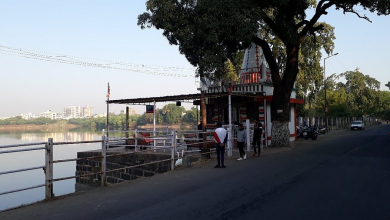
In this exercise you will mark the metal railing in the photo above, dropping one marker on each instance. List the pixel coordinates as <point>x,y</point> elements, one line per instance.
<point>334,123</point>
<point>162,140</point>
<point>47,168</point>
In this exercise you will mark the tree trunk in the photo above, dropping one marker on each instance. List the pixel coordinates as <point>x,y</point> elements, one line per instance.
<point>280,134</point>
<point>280,105</point>
<point>280,118</point>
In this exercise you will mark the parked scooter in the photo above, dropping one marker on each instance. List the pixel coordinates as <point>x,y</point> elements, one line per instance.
<point>322,130</point>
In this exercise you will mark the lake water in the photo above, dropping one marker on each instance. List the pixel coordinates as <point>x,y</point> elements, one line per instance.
<point>20,160</point>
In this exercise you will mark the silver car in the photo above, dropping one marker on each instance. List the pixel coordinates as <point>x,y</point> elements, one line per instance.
<point>359,125</point>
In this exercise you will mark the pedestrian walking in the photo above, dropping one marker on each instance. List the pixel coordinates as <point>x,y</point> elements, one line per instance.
<point>241,140</point>
<point>220,137</point>
<point>257,133</point>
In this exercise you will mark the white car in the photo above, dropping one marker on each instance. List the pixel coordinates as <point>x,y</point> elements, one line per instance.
<point>359,125</point>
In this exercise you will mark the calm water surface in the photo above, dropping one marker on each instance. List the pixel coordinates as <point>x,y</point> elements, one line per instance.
<point>20,160</point>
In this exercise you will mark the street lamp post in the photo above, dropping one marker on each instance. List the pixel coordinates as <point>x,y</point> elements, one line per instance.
<point>326,106</point>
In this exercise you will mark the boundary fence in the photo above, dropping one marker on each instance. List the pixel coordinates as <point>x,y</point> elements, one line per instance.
<point>169,141</point>
<point>334,123</point>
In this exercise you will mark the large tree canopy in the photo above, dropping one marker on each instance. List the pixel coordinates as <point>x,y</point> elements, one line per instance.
<point>209,32</point>
<point>359,95</point>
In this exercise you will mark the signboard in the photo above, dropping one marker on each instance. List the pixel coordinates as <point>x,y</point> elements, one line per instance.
<point>149,108</point>
<point>326,109</point>
<point>196,102</point>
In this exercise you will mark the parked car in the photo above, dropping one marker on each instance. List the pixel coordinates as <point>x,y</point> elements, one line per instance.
<point>359,125</point>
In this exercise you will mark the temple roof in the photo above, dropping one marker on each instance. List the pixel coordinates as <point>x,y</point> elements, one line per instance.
<point>172,98</point>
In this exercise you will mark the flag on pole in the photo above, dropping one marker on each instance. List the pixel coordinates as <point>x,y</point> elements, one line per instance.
<point>108,91</point>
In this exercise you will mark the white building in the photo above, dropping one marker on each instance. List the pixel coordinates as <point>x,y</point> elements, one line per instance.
<point>72,112</point>
<point>27,116</point>
<point>48,114</point>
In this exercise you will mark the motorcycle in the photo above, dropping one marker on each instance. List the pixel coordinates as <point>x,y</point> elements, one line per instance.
<point>307,132</point>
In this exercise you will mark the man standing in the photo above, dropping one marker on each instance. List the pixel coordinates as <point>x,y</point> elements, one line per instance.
<point>241,139</point>
<point>257,132</point>
<point>220,137</point>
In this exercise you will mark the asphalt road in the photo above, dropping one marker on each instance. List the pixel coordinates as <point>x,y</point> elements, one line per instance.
<point>341,175</point>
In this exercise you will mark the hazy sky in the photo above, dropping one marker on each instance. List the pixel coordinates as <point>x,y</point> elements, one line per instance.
<point>39,77</point>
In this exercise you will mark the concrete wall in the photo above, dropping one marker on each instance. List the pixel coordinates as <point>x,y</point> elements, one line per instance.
<point>89,166</point>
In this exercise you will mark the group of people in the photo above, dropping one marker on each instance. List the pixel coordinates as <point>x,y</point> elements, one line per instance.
<point>220,137</point>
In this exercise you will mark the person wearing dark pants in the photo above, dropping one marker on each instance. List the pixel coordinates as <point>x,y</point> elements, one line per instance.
<point>241,140</point>
<point>220,137</point>
<point>257,132</point>
<point>220,148</point>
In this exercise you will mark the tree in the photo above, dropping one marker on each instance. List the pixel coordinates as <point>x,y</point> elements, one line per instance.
<point>363,89</point>
<point>355,95</point>
<point>383,104</point>
<point>310,76</point>
<point>210,32</point>
<point>338,99</point>
<point>192,116</point>
<point>172,113</point>
<point>146,118</point>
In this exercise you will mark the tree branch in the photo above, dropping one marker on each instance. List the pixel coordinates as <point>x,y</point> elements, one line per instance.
<point>346,9</point>
<point>273,27</point>
<point>320,10</point>
<point>300,24</point>
<point>269,58</point>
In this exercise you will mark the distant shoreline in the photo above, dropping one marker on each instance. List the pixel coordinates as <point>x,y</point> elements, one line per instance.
<point>36,127</point>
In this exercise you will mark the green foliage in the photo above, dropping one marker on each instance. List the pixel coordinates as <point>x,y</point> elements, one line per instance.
<point>310,77</point>
<point>169,114</point>
<point>356,95</point>
<point>172,113</point>
<point>18,120</point>
<point>116,121</point>
<point>146,118</point>
<point>211,32</point>
<point>191,116</point>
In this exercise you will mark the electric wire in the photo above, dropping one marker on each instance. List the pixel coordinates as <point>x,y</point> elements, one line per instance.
<point>73,60</point>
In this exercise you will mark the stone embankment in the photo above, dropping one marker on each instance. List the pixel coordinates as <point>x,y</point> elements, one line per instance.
<point>134,160</point>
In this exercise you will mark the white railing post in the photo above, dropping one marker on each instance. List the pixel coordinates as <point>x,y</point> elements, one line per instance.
<point>248,135</point>
<point>230,142</point>
<point>173,149</point>
<point>135,139</point>
<point>230,136</point>
<point>103,166</point>
<point>49,170</point>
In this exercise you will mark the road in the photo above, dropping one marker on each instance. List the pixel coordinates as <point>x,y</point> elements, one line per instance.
<point>341,175</point>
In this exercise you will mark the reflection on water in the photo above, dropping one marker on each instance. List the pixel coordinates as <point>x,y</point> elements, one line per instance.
<point>66,136</point>
<point>20,160</point>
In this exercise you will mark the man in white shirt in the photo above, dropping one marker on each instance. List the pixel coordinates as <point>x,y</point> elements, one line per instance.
<point>220,137</point>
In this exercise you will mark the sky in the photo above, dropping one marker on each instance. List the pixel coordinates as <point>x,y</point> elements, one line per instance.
<point>55,54</point>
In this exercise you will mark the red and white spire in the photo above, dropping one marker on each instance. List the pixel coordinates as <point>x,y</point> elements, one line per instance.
<point>253,65</point>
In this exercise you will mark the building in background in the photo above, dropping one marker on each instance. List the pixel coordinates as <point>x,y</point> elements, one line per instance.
<point>131,111</point>
<point>86,112</point>
<point>48,114</point>
<point>72,112</point>
<point>59,116</point>
<point>27,116</point>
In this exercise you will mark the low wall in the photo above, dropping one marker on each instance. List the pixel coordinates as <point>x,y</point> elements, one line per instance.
<point>89,166</point>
